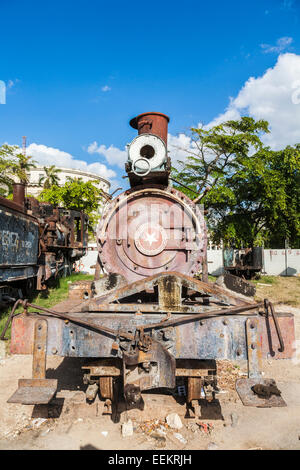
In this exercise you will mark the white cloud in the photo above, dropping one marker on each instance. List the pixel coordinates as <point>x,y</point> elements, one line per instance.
<point>105,88</point>
<point>275,97</point>
<point>50,156</point>
<point>281,45</point>
<point>113,155</point>
<point>179,147</point>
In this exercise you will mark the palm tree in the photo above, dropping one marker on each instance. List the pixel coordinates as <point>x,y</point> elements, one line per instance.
<point>51,178</point>
<point>22,166</point>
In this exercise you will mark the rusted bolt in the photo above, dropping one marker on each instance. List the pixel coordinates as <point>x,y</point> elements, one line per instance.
<point>54,350</point>
<point>66,322</point>
<point>166,335</point>
<point>221,335</point>
<point>225,322</point>
<point>201,323</point>
<point>115,346</point>
<point>119,241</point>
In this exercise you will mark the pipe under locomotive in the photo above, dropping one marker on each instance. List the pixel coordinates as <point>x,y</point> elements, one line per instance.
<point>147,319</point>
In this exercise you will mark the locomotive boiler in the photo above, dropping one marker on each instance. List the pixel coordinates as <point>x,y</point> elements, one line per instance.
<point>147,320</point>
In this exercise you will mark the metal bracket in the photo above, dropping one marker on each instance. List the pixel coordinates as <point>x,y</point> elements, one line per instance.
<point>39,349</point>
<point>254,348</point>
<point>37,390</point>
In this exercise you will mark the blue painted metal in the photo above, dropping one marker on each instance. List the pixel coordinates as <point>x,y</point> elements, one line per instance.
<point>211,338</point>
<point>19,238</point>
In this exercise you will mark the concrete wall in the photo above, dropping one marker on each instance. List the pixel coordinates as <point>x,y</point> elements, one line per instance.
<point>84,264</point>
<point>281,262</point>
<point>274,261</point>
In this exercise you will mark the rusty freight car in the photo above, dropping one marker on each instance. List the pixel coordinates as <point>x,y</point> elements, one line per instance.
<point>148,320</point>
<point>37,243</point>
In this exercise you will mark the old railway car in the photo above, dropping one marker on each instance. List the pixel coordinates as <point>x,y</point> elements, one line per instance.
<point>37,243</point>
<point>148,322</point>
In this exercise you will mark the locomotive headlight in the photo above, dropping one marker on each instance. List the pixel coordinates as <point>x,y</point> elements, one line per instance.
<point>147,152</point>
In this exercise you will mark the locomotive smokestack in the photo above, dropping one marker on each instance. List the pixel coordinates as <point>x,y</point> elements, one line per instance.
<point>152,123</point>
<point>19,193</point>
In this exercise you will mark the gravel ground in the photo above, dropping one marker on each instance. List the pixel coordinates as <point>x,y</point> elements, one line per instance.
<point>226,425</point>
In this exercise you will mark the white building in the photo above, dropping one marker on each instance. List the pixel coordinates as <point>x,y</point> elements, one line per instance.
<point>35,174</point>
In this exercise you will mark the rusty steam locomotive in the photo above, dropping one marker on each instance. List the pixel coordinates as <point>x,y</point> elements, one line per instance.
<point>146,321</point>
<point>38,243</point>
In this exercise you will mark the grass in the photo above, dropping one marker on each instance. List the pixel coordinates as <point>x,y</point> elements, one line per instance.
<point>47,299</point>
<point>282,289</point>
<point>266,280</point>
<point>285,290</point>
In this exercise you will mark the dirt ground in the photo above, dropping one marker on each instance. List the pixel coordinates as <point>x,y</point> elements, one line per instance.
<point>227,424</point>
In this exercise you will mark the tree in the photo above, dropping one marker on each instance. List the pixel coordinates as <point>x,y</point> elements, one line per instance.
<point>6,164</point>
<point>51,178</point>
<point>23,164</point>
<point>77,195</point>
<point>254,191</point>
<point>13,163</point>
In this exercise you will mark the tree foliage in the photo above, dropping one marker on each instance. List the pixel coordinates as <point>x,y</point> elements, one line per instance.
<point>254,191</point>
<point>13,164</point>
<point>50,178</point>
<point>77,195</point>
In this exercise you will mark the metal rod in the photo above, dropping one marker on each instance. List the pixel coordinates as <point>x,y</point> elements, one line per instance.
<point>232,311</point>
<point>277,327</point>
<point>11,315</point>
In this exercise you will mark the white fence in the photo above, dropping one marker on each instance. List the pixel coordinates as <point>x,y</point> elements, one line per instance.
<point>278,262</point>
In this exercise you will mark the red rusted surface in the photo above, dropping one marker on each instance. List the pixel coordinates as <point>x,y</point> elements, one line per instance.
<point>152,123</point>
<point>270,341</point>
<point>146,231</point>
<point>190,337</point>
<point>22,335</point>
<point>19,194</point>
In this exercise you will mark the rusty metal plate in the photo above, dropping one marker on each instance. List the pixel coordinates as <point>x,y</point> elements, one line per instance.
<point>254,348</point>
<point>106,386</point>
<point>249,398</point>
<point>34,391</point>
<point>270,344</point>
<point>39,349</point>
<point>22,334</point>
<point>213,338</point>
<point>104,367</point>
<point>137,241</point>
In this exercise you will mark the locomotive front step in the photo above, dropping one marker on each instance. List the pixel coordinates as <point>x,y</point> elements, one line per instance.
<point>34,391</point>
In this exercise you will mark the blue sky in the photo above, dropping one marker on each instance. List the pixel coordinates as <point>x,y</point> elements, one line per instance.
<point>77,71</point>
